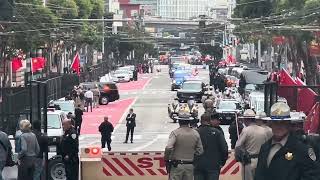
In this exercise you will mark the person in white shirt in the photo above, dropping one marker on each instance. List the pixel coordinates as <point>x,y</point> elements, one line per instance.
<point>89,98</point>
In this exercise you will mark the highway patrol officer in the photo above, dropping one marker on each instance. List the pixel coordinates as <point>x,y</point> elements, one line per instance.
<point>284,157</point>
<point>260,122</point>
<point>69,150</point>
<point>296,129</point>
<point>248,145</point>
<point>183,145</point>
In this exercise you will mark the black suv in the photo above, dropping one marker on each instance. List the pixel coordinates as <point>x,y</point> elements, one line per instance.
<point>108,90</point>
<point>191,88</point>
<point>228,110</point>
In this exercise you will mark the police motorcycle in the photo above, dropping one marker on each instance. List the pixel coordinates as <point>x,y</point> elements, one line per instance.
<point>175,107</point>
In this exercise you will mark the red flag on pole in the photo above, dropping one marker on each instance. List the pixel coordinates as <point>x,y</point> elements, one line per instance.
<point>38,63</point>
<point>16,64</point>
<point>76,64</point>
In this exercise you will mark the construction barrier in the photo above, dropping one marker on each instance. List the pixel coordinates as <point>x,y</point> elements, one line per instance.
<point>140,166</point>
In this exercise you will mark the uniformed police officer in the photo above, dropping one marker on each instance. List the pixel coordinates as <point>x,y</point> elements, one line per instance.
<point>69,150</point>
<point>296,129</point>
<point>183,145</point>
<point>248,145</point>
<point>284,157</point>
<point>260,122</point>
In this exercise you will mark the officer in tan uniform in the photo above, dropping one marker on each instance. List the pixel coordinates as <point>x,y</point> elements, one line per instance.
<point>260,122</point>
<point>183,145</point>
<point>249,143</point>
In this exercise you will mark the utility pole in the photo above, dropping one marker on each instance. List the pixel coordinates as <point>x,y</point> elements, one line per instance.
<point>102,36</point>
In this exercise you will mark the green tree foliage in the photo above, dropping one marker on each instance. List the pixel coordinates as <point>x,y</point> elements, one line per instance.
<point>66,8</point>
<point>286,18</point>
<point>85,8</point>
<point>97,10</point>
<point>247,9</point>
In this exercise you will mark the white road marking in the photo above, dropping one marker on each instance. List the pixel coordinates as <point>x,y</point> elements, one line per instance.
<point>144,146</point>
<point>147,83</point>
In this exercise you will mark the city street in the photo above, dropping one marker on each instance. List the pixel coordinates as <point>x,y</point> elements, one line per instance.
<point>149,100</point>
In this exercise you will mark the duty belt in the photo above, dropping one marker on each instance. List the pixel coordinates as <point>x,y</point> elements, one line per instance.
<point>183,162</point>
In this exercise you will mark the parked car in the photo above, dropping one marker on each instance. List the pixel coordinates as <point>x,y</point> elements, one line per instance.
<point>228,109</point>
<point>195,89</point>
<point>65,106</point>
<point>129,70</point>
<point>108,90</point>
<point>121,76</point>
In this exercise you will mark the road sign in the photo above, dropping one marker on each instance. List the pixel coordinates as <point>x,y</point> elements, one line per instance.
<point>140,166</point>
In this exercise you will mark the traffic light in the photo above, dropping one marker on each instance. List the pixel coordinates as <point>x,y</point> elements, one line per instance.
<point>6,10</point>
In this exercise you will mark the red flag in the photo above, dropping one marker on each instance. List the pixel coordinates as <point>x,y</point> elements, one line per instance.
<point>16,64</point>
<point>76,64</point>
<point>312,121</point>
<point>38,63</point>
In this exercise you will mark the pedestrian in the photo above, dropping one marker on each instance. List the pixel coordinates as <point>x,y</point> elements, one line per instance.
<point>135,74</point>
<point>131,124</point>
<point>183,147</point>
<point>260,122</point>
<point>215,121</point>
<point>207,166</point>
<point>43,144</point>
<point>89,99</point>
<point>296,129</point>
<point>78,118</point>
<point>248,145</point>
<point>235,130</point>
<point>284,157</point>
<point>29,151</point>
<point>96,96</point>
<point>106,128</point>
<point>72,118</point>
<point>69,150</point>
<point>5,151</point>
<point>208,103</point>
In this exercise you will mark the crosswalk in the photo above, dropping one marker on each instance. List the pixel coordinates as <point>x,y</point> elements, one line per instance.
<point>149,92</point>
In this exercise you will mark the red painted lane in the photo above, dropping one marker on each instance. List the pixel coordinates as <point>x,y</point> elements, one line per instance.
<point>134,85</point>
<point>115,110</point>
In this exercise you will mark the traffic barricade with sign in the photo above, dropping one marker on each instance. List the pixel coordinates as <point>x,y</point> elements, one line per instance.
<point>99,165</point>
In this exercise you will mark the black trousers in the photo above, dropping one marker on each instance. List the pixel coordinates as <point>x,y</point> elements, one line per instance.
<point>72,168</point>
<point>206,174</point>
<point>89,103</point>
<point>26,168</point>
<point>129,129</point>
<point>78,125</point>
<point>105,140</point>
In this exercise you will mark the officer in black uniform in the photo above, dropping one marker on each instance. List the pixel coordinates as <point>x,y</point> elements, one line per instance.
<point>297,130</point>
<point>69,150</point>
<point>207,166</point>
<point>284,157</point>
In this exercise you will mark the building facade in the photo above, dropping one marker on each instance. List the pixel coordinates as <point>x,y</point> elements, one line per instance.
<point>149,6</point>
<point>183,9</point>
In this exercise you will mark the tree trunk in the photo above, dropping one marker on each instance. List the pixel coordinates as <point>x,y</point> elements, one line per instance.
<point>310,64</point>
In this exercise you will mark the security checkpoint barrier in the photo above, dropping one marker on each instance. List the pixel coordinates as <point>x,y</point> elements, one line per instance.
<point>97,165</point>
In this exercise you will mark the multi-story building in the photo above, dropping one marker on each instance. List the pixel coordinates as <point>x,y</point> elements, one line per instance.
<point>129,10</point>
<point>149,6</point>
<point>183,9</point>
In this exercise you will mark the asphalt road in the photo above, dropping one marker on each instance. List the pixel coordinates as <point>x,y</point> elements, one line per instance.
<point>153,124</point>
